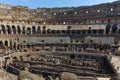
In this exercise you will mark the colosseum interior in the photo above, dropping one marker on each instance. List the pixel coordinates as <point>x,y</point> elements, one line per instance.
<point>67,43</point>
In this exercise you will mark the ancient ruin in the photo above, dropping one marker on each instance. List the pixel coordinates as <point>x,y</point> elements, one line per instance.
<point>67,43</point>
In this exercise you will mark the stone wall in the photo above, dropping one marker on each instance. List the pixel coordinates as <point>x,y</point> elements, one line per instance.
<point>96,14</point>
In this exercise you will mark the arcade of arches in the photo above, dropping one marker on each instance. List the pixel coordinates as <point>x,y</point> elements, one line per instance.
<point>76,43</point>
<point>13,29</point>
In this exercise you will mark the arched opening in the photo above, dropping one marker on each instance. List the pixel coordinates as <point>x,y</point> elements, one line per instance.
<point>89,31</point>
<point>6,43</point>
<point>9,29</point>
<point>21,58</point>
<point>28,46</point>
<point>18,29</point>
<point>14,29</point>
<point>68,29</point>
<point>23,30</point>
<point>72,56</point>
<point>14,58</point>
<point>73,32</point>
<point>1,45</point>
<point>33,30</point>
<point>100,31</point>
<point>109,20</point>
<point>28,55</point>
<point>53,31</point>
<point>78,32</point>
<point>114,28</point>
<point>58,31</point>
<point>44,30</point>
<point>38,30</point>
<point>28,30</point>
<point>108,26</point>
<point>3,29</point>
<point>6,61</point>
<point>63,32</point>
<point>94,31</point>
<point>83,31</point>
<point>48,31</point>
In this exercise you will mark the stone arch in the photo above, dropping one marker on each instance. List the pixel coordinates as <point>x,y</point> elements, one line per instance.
<point>68,29</point>
<point>38,30</point>
<point>100,31</point>
<point>21,58</point>
<point>28,56</point>
<point>23,30</point>
<point>108,27</point>
<point>33,30</point>
<point>109,20</point>
<point>89,31</point>
<point>48,31</point>
<point>14,45</point>
<point>72,32</point>
<point>58,31</point>
<point>44,30</point>
<point>1,45</point>
<point>14,58</point>
<point>114,28</point>
<point>53,31</point>
<point>3,29</point>
<point>14,29</point>
<point>6,61</point>
<point>6,43</point>
<point>28,30</point>
<point>63,31</point>
<point>78,32</point>
<point>83,31</point>
<point>18,29</point>
<point>9,29</point>
<point>72,56</point>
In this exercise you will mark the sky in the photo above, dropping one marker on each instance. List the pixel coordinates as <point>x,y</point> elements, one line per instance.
<point>53,3</point>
